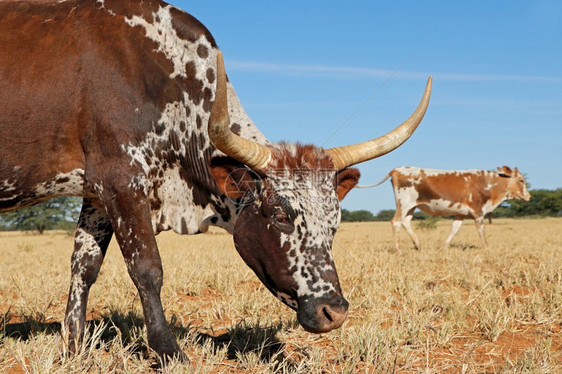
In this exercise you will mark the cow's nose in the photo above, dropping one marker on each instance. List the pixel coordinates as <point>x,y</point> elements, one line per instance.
<point>332,316</point>
<point>326,315</point>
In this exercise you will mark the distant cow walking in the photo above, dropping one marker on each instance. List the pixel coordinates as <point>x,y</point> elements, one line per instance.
<point>462,194</point>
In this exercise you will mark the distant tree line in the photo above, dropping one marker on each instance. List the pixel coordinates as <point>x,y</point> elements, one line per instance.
<point>543,203</point>
<point>367,216</point>
<point>61,213</point>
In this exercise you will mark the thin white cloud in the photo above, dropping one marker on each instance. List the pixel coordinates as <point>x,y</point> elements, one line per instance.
<point>381,73</point>
<point>497,78</point>
<point>267,67</point>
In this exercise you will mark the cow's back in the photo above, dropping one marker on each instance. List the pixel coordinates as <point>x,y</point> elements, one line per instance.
<point>40,94</point>
<point>78,82</point>
<point>65,65</point>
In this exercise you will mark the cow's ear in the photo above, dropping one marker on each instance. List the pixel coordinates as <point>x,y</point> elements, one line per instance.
<point>505,171</point>
<point>346,179</point>
<point>233,178</point>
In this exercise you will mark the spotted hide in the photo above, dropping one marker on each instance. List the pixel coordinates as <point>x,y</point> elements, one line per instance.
<point>126,104</point>
<point>461,194</point>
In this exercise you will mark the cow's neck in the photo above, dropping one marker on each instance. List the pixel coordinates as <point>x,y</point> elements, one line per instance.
<point>498,192</point>
<point>175,156</point>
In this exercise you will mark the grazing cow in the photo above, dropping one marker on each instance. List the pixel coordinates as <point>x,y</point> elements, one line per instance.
<point>462,194</point>
<point>126,103</point>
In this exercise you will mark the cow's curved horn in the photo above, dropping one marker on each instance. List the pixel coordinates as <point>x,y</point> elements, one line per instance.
<point>345,156</point>
<point>255,156</point>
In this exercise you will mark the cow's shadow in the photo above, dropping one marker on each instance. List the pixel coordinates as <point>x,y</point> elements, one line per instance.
<point>240,339</point>
<point>126,327</point>
<point>244,338</point>
<point>28,328</point>
<point>462,246</point>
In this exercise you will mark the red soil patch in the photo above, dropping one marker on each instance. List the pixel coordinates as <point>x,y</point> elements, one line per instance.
<point>472,349</point>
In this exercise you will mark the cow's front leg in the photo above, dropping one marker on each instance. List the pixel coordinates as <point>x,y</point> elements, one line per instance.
<point>90,244</point>
<point>130,216</point>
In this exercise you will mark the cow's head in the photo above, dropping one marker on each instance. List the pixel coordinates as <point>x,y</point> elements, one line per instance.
<point>287,199</point>
<point>516,185</point>
<point>284,231</point>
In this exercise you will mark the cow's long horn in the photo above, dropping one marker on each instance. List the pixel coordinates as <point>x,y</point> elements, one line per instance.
<point>255,156</point>
<point>345,156</point>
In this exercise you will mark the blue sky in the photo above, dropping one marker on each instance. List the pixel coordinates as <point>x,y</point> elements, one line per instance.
<point>303,70</point>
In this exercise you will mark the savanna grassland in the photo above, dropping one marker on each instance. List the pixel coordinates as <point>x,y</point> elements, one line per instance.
<point>465,309</point>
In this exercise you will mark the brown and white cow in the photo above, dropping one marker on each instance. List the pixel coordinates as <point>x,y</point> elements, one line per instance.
<point>462,194</point>
<point>126,104</point>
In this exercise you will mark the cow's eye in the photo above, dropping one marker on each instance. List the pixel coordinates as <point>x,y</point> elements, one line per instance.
<point>281,218</point>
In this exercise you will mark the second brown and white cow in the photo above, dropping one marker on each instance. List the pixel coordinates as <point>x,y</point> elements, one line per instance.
<point>462,194</point>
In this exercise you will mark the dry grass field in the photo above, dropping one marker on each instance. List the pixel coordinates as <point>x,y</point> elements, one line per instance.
<point>465,309</point>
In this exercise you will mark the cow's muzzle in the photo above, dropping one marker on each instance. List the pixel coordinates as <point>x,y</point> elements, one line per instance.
<point>322,314</point>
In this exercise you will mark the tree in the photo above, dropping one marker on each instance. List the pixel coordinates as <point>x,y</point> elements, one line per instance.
<point>420,216</point>
<point>356,216</point>
<point>361,216</point>
<point>58,213</point>
<point>385,215</point>
<point>345,215</point>
<point>551,203</point>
